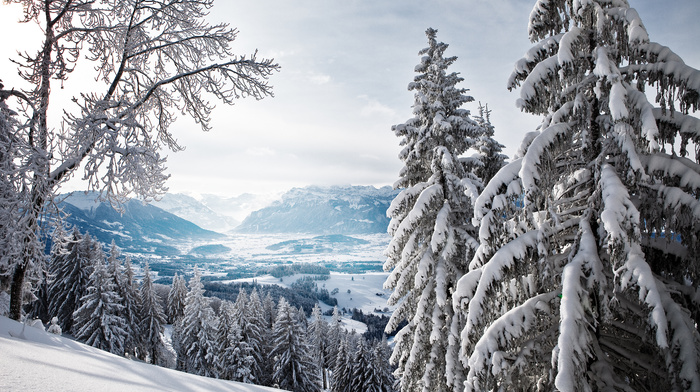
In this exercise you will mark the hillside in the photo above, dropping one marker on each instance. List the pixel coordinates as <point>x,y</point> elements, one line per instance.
<point>34,360</point>
<point>324,210</point>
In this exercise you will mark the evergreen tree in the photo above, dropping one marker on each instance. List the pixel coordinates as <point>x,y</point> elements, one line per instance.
<point>318,337</point>
<point>294,369</point>
<point>589,285</point>
<point>151,318</point>
<point>97,322</point>
<point>432,235</point>
<point>335,335</point>
<point>254,333</point>
<point>237,359</point>
<point>361,379</point>
<point>269,311</point>
<point>197,351</point>
<point>341,378</point>
<point>123,277</point>
<point>382,379</point>
<point>176,299</point>
<point>489,157</point>
<point>268,314</point>
<point>71,267</point>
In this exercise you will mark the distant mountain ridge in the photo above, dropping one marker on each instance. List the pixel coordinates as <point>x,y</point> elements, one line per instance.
<point>213,212</point>
<point>142,228</point>
<point>193,210</point>
<point>324,210</point>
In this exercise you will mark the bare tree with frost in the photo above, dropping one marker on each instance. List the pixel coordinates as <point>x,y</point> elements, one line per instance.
<point>586,277</point>
<point>153,59</point>
<point>432,235</point>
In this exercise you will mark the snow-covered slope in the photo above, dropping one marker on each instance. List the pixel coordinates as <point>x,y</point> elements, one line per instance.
<point>324,210</point>
<point>34,360</point>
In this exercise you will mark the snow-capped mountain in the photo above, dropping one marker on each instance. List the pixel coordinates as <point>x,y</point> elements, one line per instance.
<point>193,210</point>
<point>238,207</point>
<point>213,212</point>
<point>324,210</point>
<point>141,228</point>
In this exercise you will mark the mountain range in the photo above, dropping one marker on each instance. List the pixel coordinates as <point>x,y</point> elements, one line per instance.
<point>163,227</point>
<point>324,210</point>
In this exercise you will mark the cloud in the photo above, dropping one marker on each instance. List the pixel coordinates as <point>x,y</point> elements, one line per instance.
<point>260,152</point>
<point>373,107</point>
<point>318,78</point>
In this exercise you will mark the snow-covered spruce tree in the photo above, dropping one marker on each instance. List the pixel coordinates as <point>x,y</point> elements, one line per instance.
<point>97,322</point>
<point>381,379</point>
<point>41,306</point>
<point>318,338</point>
<point>294,369</point>
<point>227,321</point>
<point>151,319</point>
<point>236,360</point>
<point>361,367</point>
<point>269,314</point>
<point>432,233</point>
<point>197,351</point>
<point>153,60</point>
<point>71,268</point>
<point>489,157</point>
<point>176,299</point>
<point>255,333</point>
<point>341,378</point>
<point>335,335</point>
<point>123,277</point>
<point>592,284</point>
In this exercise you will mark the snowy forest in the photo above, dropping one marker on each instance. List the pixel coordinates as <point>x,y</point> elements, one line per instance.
<point>572,265</point>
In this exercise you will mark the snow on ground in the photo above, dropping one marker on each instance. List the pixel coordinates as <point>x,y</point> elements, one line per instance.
<point>34,360</point>
<point>366,290</point>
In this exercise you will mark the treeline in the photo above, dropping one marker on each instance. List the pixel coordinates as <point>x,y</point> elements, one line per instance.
<point>280,271</point>
<point>301,294</point>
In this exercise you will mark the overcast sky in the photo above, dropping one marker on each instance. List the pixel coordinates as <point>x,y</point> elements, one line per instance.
<point>343,84</point>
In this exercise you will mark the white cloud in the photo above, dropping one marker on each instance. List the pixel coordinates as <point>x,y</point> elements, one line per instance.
<point>318,78</point>
<point>260,152</point>
<point>373,107</point>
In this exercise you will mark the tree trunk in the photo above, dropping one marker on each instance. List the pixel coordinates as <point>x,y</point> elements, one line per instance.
<point>16,291</point>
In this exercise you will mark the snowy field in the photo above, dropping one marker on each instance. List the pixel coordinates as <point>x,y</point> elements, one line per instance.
<point>366,290</point>
<point>34,360</point>
<point>253,248</point>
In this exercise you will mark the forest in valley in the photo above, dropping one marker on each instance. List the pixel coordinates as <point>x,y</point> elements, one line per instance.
<point>572,265</point>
